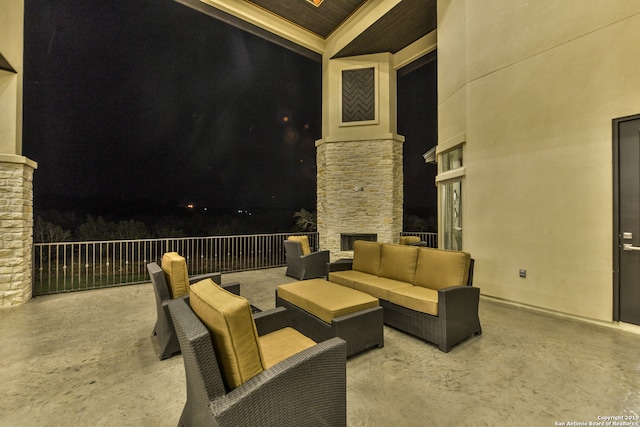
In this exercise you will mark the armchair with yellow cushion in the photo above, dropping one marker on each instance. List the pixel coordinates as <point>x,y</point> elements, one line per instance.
<point>250,371</point>
<point>171,280</point>
<point>301,262</point>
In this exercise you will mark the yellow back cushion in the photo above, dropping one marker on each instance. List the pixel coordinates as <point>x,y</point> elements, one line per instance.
<point>398,262</point>
<point>407,240</point>
<point>235,338</point>
<point>175,270</point>
<point>304,242</point>
<point>439,269</point>
<point>366,256</point>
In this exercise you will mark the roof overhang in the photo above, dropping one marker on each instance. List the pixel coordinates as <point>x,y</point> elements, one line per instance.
<point>336,28</point>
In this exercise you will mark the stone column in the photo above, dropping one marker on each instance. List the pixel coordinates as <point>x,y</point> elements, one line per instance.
<point>16,226</point>
<point>359,159</point>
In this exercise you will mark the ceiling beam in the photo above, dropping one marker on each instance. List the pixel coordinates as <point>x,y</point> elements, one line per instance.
<point>416,50</point>
<point>357,23</point>
<point>260,18</point>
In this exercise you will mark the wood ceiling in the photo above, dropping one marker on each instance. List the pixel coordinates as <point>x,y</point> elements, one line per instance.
<point>402,25</point>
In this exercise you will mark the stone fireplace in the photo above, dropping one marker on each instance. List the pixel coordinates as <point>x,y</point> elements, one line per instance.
<point>347,239</point>
<point>359,191</point>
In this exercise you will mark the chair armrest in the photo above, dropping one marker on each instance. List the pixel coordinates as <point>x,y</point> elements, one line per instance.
<point>340,265</point>
<point>233,287</point>
<point>271,320</point>
<point>308,388</point>
<point>315,256</point>
<point>216,277</point>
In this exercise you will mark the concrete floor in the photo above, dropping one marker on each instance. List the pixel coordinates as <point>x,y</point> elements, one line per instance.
<point>88,359</point>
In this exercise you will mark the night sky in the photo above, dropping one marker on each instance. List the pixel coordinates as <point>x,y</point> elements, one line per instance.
<point>135,100</point>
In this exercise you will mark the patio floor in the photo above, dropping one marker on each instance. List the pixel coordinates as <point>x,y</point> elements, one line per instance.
<point>88,359</point>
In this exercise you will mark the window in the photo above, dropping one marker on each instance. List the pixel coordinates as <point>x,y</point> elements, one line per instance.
<point>451,159</point>
<point>450,179</point>
<point>452,215</point>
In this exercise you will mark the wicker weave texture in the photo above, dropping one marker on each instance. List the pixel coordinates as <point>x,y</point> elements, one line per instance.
<point>361,330</point>
<point>308,389</point>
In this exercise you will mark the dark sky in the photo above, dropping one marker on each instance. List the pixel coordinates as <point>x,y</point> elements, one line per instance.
<point>149,100</point>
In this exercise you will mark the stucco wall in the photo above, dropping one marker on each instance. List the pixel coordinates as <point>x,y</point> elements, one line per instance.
<point>542,82</point>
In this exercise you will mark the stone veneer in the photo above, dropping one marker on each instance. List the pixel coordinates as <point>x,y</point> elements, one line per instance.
<point>16,224</point>
<point>360,190</point>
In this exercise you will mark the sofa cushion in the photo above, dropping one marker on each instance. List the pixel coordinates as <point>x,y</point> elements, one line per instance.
<point>235,338</point>
<point>379,287</point>
<point>175,270</point>
<point>325,300</point>
<point>282,344</point>
<point>398,262</point>
<point>366,256</point>
<point>416,298</point>
<point>438,269</point>
<point>304,243</point>
<point>407,240</point>
<point>348,277</point>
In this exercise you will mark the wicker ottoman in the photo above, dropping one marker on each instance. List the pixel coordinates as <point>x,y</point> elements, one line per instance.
<point>322,310</point>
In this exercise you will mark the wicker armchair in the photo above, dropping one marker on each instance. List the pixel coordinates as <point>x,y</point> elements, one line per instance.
<point>301,262</point>
<point>306,389</point>
<point>163,328</point>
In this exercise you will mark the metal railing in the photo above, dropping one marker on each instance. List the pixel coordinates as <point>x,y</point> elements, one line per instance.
<point>74,266</point>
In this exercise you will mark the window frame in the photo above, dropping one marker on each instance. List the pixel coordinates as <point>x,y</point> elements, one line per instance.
<point>446,178</point>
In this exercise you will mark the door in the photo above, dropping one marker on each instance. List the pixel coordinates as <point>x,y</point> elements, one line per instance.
<point>626,148</point>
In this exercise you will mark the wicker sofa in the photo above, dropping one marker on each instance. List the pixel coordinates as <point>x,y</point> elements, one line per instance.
<point>425,292</point>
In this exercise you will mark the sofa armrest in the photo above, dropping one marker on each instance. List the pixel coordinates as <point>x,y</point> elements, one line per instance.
<point>216,277</point>
<point>306,389</point>
<point>458,300</point>
<point>340,265</point>
<point>271,320</point>
<point>458,311</point>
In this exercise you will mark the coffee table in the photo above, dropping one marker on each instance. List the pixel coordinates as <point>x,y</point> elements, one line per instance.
<point>321,310</point>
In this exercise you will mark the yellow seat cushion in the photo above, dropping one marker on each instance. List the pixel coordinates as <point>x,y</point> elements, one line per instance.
<point>417,298</point>
<point>175,270</point>
<point>379,287</point>
<point>325,300</point>
<point>407,240</point>
<point>398,262</point>
<point>304,243</point>
<point>348,277</point>
<point>282,344</point>
<point>438,269</point>
<point>235,338</point>
<point>366,256</point>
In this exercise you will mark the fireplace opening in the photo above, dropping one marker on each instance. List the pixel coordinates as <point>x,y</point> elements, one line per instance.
<point>347,239</point>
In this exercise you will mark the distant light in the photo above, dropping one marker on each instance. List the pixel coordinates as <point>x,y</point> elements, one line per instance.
<point>306,126</point>
<point>285,119</point>
<point>190,206</point>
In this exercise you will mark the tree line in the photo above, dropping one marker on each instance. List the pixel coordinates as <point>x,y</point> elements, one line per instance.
<point>55,226</point>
